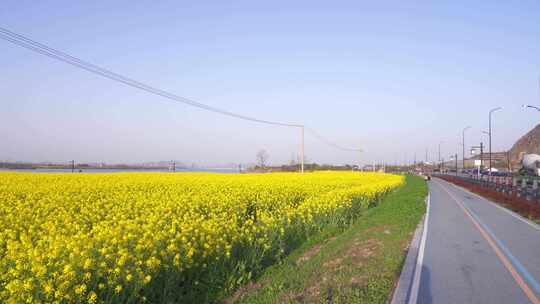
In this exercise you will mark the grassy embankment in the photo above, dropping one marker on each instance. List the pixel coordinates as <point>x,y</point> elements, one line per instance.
<point>359,265</point>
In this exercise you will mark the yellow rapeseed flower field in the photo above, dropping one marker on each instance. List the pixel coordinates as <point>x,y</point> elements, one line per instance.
<point>161,237</point>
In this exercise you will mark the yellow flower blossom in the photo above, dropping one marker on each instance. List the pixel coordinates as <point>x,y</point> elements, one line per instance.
<point>118,288</point>
<point>92,297</point>
<point>62,235</point>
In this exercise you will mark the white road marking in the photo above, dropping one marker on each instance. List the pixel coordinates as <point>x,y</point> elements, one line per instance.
<point>419,261</point>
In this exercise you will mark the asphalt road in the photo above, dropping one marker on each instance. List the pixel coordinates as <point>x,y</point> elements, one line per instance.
<point>476,251</point>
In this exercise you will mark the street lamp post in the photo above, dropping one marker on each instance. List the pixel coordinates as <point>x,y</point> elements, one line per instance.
<point>490,112</point>
<point>455,158</point>
<point>532,107</point>
<point>456,164</point>
<point>440,155</point>
<point>463,137</point>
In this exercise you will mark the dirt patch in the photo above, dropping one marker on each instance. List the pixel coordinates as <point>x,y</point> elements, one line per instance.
<point>313,251</point>
<point>356,254</point>
<point>314,291</point>
<point>308,254</point>
<point>358,281</point>
<point>363,249</point>
<point>242,291</point>
<point>333,263</point>
<point>341,271</point>
<point>384,229</point>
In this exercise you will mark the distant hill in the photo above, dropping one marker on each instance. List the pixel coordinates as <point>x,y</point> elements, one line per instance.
<point>528,143</point>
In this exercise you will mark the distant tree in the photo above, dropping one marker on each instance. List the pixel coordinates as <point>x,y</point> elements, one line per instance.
<point>262,158</point>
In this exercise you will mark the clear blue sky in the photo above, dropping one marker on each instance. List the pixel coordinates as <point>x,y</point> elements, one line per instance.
<point>392,78</point>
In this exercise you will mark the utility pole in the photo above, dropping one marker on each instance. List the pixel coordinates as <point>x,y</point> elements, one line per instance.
<point>405,161</point>
<point>72,166</point>
<point>481,157</point>
<point>439,156</point>
<point>489,143</point>
<point>463,137</point>
<point>440,165</point>
<point>508,161</point>
<point>173,166</point>
<point>456,164</point>
<point>490,112</point>
<point>360,162</point>
<point>302,152</point>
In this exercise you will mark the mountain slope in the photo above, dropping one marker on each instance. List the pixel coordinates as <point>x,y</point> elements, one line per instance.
<point>528,143</point>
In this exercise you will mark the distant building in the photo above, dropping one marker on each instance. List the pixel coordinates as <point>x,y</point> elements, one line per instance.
<point>495,156</point>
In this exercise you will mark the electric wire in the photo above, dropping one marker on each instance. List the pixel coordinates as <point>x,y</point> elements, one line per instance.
<point>329,143</point>
<point>56,54</point>
<point>53,53</point>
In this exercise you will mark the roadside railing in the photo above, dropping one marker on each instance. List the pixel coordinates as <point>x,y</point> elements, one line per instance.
<point>522,193</point>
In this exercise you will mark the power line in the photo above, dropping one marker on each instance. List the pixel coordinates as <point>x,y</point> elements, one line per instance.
<point>324,140</point>
<point>59,55</point>
<point>53,53</point>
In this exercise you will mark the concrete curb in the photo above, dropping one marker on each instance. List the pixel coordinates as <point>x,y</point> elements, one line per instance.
<point>403,289</point>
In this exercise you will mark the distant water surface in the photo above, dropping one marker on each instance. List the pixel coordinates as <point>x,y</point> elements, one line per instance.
<point>42,170</point>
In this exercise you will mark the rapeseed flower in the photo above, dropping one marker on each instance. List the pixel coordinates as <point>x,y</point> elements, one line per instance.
<point>94,237</point>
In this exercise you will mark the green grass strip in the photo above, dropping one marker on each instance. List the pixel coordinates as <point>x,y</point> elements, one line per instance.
<point>358,265</point>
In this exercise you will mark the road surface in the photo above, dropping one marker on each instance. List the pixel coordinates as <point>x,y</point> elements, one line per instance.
<point>476,251</point>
